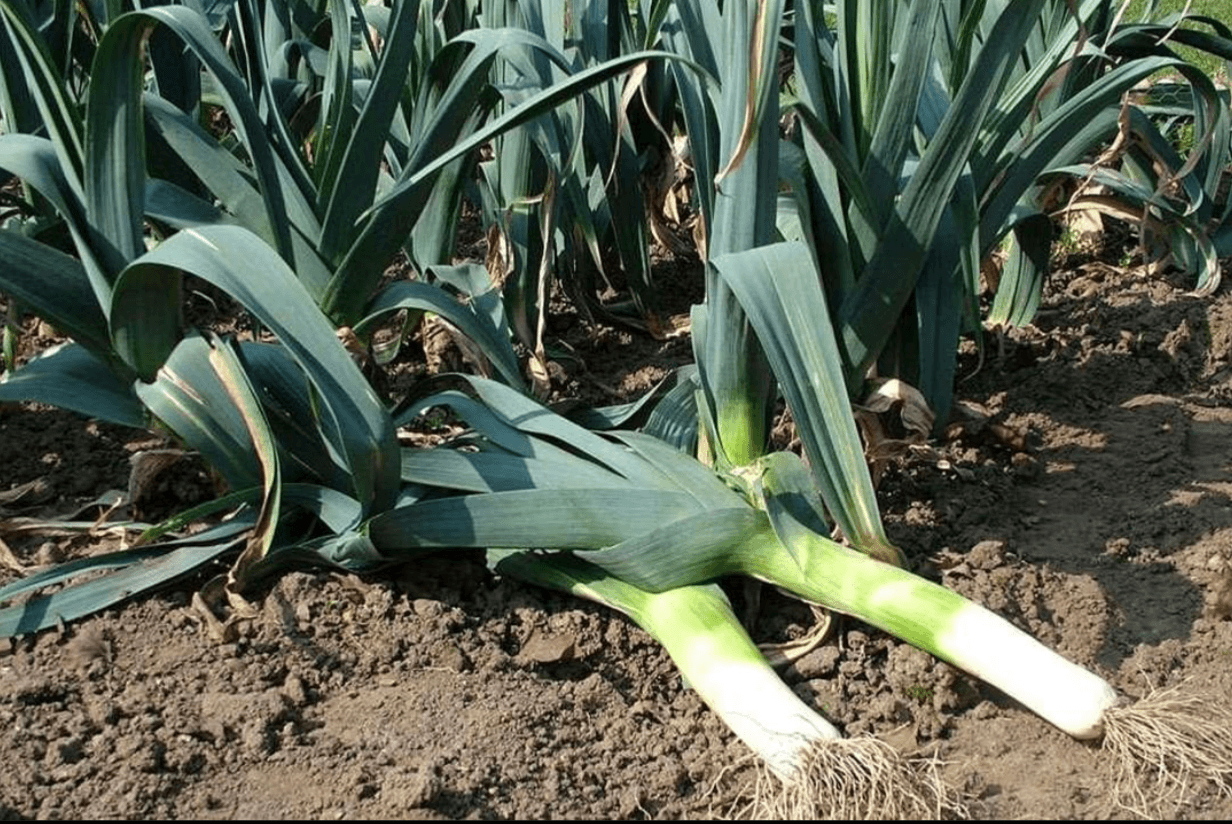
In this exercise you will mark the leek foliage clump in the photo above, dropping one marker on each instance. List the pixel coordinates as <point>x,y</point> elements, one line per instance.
<point>662,528</point>
<point>332,161</point>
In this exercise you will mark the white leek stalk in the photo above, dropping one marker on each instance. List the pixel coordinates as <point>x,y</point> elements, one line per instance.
<point>719,660</point>
<point>1161,747</point>
<point>819,774</point>
<point>945,624</point>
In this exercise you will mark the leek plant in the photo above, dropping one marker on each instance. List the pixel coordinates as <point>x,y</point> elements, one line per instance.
<point>297,434</point>
<point>1173,199</point>
<point>1174,194</point>
<point>203,183</point>
<point>923,129</point>
<point>562,197</point>
<point>527,477</point>
<point>623,517</point>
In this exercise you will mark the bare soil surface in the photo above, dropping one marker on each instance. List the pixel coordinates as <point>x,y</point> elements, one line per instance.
<point>1087,501</point>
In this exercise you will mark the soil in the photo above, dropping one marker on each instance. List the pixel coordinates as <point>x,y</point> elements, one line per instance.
<point>1083,494</point>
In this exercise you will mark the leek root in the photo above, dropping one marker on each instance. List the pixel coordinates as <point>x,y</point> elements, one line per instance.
<point>856,779</point>
<point>1165,744</point>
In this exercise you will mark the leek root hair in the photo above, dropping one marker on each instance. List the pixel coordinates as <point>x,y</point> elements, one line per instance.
<point>1167,745</point>
<point>853,779</point>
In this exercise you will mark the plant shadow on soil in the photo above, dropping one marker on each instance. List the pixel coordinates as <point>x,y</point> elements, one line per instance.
<point>1124,390</point>
<point>437,691</point>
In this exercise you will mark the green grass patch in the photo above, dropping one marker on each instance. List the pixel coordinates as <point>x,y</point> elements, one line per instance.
<point>1219,9</point>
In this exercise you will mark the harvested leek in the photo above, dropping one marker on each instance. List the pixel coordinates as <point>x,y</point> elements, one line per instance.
<point>1160,746</point>
<point>822,774</point>
<point>654,520</point>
